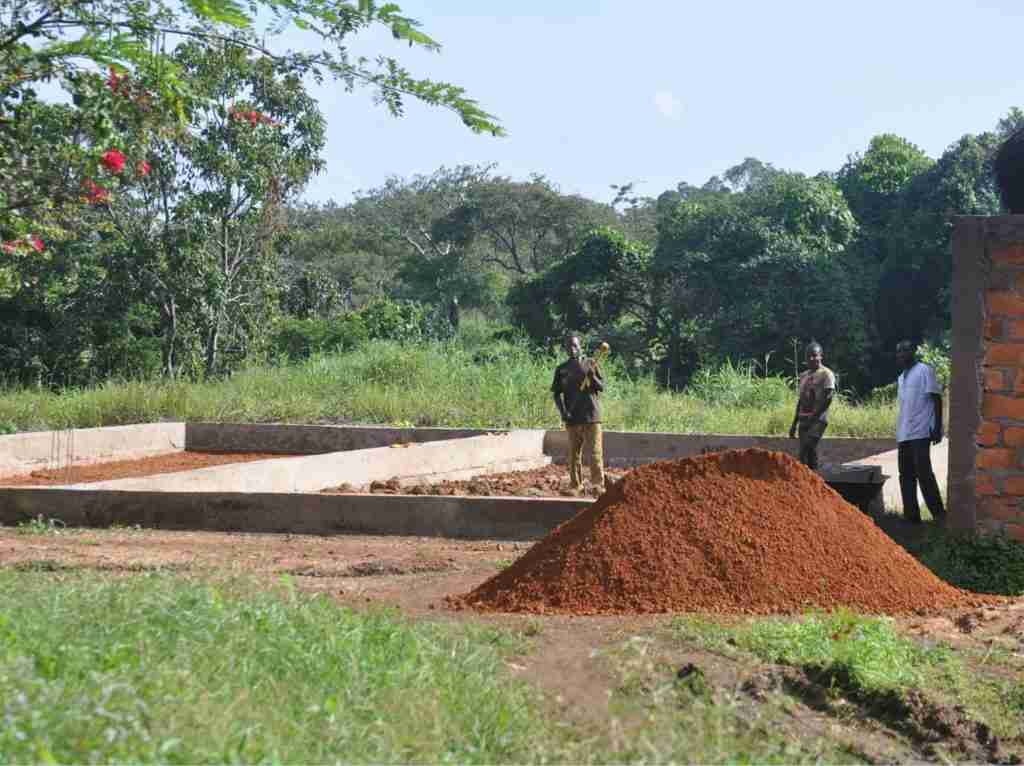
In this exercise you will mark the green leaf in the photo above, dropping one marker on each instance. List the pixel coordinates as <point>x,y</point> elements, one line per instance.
<point>220,11</point>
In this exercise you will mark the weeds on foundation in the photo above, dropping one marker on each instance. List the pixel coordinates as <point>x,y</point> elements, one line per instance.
<point>40,525</point>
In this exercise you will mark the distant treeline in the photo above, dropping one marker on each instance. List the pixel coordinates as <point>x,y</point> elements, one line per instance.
<point>748,267</point>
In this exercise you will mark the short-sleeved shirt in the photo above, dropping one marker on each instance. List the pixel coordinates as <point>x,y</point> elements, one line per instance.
<point>580,406</point>
<point>916,417</point>
<point>813,385</point>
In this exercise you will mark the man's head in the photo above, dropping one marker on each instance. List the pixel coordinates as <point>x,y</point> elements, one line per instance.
<point>814,354</point>
<point>906,352</point>
<point>572,346</point>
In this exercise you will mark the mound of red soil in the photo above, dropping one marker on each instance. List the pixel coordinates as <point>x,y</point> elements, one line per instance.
<point>741,531</point>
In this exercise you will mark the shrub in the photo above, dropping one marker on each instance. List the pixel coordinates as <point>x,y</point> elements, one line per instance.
<point>737,386</point>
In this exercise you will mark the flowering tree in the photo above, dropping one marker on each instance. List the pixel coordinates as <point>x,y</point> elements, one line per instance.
<point>195,220</point>
<point>113,61</point>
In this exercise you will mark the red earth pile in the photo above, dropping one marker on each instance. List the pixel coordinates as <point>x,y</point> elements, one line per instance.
<point>741,531</point>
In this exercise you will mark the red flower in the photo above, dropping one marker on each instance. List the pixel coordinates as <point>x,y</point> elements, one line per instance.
<point>9,247</point>
<point>95,194</point>
<point>37,244</point>
<point>115,80</point>
<point>113,160</point>
<point>142,168</point>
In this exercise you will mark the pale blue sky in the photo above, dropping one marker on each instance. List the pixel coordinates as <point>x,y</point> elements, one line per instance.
<point>595,93</point>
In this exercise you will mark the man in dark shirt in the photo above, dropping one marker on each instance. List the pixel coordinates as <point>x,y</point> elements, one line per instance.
<point>576,388</point>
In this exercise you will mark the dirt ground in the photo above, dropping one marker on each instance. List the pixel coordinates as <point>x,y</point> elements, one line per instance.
<point>549,481</point>
<point>577,661</point>
<point>171,462</point>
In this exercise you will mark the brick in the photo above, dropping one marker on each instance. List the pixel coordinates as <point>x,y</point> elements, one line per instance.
<point>995,380</point>
<point>1000,509</point>
<point>1004,302</point>
<point>994,329</point>
<point>1013,437</point>
<point>1015,532</point>
<point>984,485</point>
<point>1012,328</point>
<point>1004,354</point>
<point>996,406</point>
<point>1014,485</point>
<point>996,459</point>
<point>1011,254</point>
<point>990,432</point>
<point>1018,382</point>
<point>1018,281</point>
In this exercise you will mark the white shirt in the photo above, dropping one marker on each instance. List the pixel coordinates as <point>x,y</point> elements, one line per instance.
<point>917,412</point>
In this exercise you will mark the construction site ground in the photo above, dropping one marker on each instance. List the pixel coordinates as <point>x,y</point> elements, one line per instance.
<point>589,667</point>
<point>171,462</point>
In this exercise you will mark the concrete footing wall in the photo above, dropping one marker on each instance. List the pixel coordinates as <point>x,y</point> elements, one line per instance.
<point>627,448</point>
<point>513,518</point>
<point>455,458</point>
<point>26,452</point>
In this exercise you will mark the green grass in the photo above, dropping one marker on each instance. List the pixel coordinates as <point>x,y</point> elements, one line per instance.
<point>867,650</point>
<point>981,563</point>
<point>156,669</point>
<point>870,656</point>
<point>468,383</point>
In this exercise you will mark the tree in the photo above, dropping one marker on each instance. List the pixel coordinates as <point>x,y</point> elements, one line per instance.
<point>605,281</point>
<point>397,221</point>
<point>525,227</point>
<point>743,272</point>
<point>199,225</point>
<point>67,42</point>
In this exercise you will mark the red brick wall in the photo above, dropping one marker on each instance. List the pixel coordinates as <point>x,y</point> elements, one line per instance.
<point>999,460</point>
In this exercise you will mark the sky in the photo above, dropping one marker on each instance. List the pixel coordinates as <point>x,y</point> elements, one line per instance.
<point>650,92</point>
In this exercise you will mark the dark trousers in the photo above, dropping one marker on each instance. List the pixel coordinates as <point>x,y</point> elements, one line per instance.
<point>915,462</point>
<point>810,435</point>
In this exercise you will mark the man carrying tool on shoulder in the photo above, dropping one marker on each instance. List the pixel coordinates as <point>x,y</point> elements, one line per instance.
<point>817,387</point>
<point>576,388</point>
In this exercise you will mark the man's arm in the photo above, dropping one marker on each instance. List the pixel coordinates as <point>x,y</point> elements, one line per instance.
<point>596,381</point>
<point>937,430</point>
<point>556,392</point>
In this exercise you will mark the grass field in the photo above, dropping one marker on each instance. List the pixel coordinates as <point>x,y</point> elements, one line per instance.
<point>469,383</point>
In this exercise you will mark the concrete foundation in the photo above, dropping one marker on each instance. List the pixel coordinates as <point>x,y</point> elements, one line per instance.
<point>455,458</point>
<point>629,448</point>
<point>512,518</point>
<point>23,453</point>
<point>276,495</point>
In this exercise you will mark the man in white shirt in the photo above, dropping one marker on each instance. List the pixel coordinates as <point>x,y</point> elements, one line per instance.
<point>918,426</point>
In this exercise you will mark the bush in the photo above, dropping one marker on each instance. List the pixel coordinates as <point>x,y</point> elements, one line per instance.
<point>298,339</point>
<point>982,563</point>
<point>737,386</point>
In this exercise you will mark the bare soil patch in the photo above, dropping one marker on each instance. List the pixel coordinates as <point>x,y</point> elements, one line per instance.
<point>171,462</point>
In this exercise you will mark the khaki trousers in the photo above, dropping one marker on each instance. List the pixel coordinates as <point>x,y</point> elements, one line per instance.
<point>585,435</point>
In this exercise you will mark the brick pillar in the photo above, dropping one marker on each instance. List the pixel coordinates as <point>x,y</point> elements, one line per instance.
<point>986,429</point>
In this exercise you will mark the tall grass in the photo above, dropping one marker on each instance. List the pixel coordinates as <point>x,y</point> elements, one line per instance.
<point>470,384</point>
<point>157,669</point>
